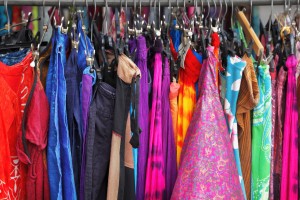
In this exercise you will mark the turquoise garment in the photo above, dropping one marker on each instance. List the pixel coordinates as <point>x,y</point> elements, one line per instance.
<point>235,68</point>
<point>135,157</point>
<point>3,18</point>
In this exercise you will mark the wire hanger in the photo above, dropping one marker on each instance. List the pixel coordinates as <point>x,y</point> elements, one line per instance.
<point>93,19</point>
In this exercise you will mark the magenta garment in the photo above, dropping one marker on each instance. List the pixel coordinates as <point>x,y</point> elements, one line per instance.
<point>208,168</point>
<point>289,180</point>
<point>168,142</point>
<point>155,180</point>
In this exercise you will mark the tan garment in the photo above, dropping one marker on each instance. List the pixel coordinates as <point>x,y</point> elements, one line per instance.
<point>128,157</point>
<point>126,71</point>
<point>248,99</point>
<point>114,167</point>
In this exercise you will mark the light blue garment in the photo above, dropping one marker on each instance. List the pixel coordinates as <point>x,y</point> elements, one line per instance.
<point>59,159</point>
<point>235,68</point>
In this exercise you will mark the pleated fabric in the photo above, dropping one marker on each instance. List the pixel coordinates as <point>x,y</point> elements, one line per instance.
<point>207,169</point>
<point>187,97</point>
<point>155,179</point>
<point>289,181</point>
<point>261,136</point>
<point>247,100</point>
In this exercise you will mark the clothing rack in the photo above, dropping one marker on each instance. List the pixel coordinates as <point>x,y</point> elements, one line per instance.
<point>143,2</point>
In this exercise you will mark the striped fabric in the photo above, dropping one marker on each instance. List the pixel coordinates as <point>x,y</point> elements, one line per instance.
<point>247,100</point>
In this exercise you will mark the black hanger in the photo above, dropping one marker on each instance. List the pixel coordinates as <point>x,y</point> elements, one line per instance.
<point>22,39</point>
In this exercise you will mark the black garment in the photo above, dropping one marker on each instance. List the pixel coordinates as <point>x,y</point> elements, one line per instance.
<point>73,78</point>
<point>99,136</point>
<point>122,106</point>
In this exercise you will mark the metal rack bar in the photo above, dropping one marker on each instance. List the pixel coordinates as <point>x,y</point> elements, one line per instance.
<point>143,2</point>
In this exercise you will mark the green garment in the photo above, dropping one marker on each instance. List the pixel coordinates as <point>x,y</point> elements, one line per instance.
<point>261,137</point>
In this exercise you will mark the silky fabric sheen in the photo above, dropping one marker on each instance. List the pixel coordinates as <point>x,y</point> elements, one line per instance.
<point>207,169</point>
<point>141,62</point>
<point>235,68</point>
<point>261,137</point>
<point>187,97</point>
<point>155,179</point>
<point>247,100</point>
<point>289,181</point>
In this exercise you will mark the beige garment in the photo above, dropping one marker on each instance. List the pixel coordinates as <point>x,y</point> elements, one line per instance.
<point>128,157</point>
<point>126,71</point>
<point>247,100</point>
<point>114,167</point>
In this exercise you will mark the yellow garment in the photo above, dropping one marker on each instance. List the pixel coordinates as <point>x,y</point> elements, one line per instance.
<point>174,90</point>
<point>187,97</point>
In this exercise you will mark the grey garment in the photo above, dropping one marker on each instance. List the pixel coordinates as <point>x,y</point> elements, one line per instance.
<point>99,141</point>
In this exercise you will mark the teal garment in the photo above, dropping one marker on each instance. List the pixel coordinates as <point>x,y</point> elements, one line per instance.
<point>135,157</point>
<point>235,68</point>
<point>261,137</point>
<point>3,18</point>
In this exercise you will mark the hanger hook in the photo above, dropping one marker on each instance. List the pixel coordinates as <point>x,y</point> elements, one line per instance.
<point>106,14</point>
<point>215,8</point>
<point>208,10</point>
<point>232,8</point>
<point>74,3</point>
<point>140,9</point>
<point>43,10</point>
<point>7,15</point>
<point>59,8</point>
<point>226,8</point>
<point>221,7</point>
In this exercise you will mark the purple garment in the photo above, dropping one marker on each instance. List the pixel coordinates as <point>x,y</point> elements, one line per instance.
<point>86,94</point>
<point>207,166</point>
<point>168,142</point>
<point>141,62</point>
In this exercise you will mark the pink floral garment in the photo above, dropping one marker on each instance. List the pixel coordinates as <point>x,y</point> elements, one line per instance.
<point>208,169</point>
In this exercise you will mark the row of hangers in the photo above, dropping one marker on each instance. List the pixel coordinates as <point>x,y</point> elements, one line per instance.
<point>197,29</point>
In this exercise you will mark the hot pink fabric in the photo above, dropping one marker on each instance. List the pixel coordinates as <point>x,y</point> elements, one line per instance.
<point>207,165</point>
<point>289,181</point>
<point>155,180</point>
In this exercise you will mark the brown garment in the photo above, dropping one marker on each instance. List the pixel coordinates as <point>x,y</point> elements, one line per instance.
<point>248,99</point>
<point>43,64</point>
